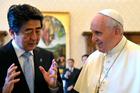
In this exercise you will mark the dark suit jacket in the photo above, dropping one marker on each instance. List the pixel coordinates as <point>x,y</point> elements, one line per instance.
<point>41,58</point>
<point>72,79</point>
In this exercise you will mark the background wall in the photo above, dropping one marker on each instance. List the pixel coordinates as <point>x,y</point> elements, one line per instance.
<point>81,14</point>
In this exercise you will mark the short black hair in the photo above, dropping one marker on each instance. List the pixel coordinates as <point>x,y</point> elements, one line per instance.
<point>71,59</point>
<point>18,15</point>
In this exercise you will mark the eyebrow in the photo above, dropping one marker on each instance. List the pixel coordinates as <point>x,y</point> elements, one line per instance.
<point>38,27</point>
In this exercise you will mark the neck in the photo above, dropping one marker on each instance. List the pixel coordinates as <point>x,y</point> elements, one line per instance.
<point>117,41</point>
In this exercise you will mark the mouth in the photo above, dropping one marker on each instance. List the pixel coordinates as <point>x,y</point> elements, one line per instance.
<point>99,44</point>
<point>32,44</point>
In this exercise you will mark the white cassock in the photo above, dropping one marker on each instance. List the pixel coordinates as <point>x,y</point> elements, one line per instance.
<point>123,76</point>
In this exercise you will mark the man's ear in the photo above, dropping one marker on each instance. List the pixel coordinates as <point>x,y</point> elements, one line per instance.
<point>12,33</point>
<point>117,30</point>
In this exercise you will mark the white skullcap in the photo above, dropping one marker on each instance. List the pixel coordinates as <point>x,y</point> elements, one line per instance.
<point>113,14</point>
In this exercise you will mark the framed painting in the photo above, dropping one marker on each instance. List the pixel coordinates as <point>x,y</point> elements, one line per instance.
<point>55,34</point>
<point>3,34</point>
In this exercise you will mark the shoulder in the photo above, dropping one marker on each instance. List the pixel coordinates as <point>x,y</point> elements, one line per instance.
<point>76,69</point>
<point>8,48</point>
<point>95,55</point>
<point>132,47</point>
<point>94,60</point>
<point>42,50</point>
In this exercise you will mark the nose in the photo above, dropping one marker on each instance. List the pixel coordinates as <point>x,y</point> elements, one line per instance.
<point>34,35</point>
<point>94,38</point>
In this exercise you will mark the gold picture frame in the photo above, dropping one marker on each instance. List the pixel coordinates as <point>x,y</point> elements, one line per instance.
<point>64,18</point>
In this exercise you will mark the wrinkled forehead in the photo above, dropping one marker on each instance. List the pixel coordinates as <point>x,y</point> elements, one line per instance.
<point>98,21</point>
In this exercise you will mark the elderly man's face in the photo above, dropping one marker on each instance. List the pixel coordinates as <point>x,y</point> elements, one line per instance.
<point>103,35</point>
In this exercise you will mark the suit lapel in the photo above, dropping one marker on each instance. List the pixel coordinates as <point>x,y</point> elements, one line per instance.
<point>13,59</point>
<point>12,56</point>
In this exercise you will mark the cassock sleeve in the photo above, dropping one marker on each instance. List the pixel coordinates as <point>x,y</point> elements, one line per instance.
<point>82,84</point>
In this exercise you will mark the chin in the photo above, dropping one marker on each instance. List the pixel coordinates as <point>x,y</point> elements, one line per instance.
<point>31,48</point>
<point>101,50</point>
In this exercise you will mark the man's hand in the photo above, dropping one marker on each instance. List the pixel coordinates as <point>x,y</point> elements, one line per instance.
<point>51,75</point>
<point>70,88</point>
<point>10,79</point>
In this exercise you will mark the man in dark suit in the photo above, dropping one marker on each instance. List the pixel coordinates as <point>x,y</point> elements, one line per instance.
<point>70,76</point>
<point>25,23</point>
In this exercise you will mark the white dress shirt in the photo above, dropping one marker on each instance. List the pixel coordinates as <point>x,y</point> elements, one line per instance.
<point>19,53</point>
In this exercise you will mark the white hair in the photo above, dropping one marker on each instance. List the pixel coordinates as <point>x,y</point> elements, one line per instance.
<point>113,23</point>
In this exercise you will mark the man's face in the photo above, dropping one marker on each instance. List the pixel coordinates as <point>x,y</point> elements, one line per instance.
<point>70,63</point>
<point>29,35</point>
<point>102,34</point>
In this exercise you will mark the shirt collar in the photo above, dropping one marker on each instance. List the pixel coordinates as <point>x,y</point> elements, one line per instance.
<point>71,69</point>
<point>18,50</point>
<point>118,47</point>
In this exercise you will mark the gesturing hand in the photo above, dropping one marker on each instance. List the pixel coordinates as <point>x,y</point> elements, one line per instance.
<point>51,75</point>
<point>10,79</point>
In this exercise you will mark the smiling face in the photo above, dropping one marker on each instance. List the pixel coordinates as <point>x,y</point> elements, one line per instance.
<point>29,35</point>
<point>104,35</point>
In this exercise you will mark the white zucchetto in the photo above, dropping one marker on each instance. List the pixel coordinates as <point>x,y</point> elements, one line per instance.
<point>113,14</point>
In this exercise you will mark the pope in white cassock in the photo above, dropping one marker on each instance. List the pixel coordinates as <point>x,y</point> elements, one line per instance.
<point>115,66</point>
